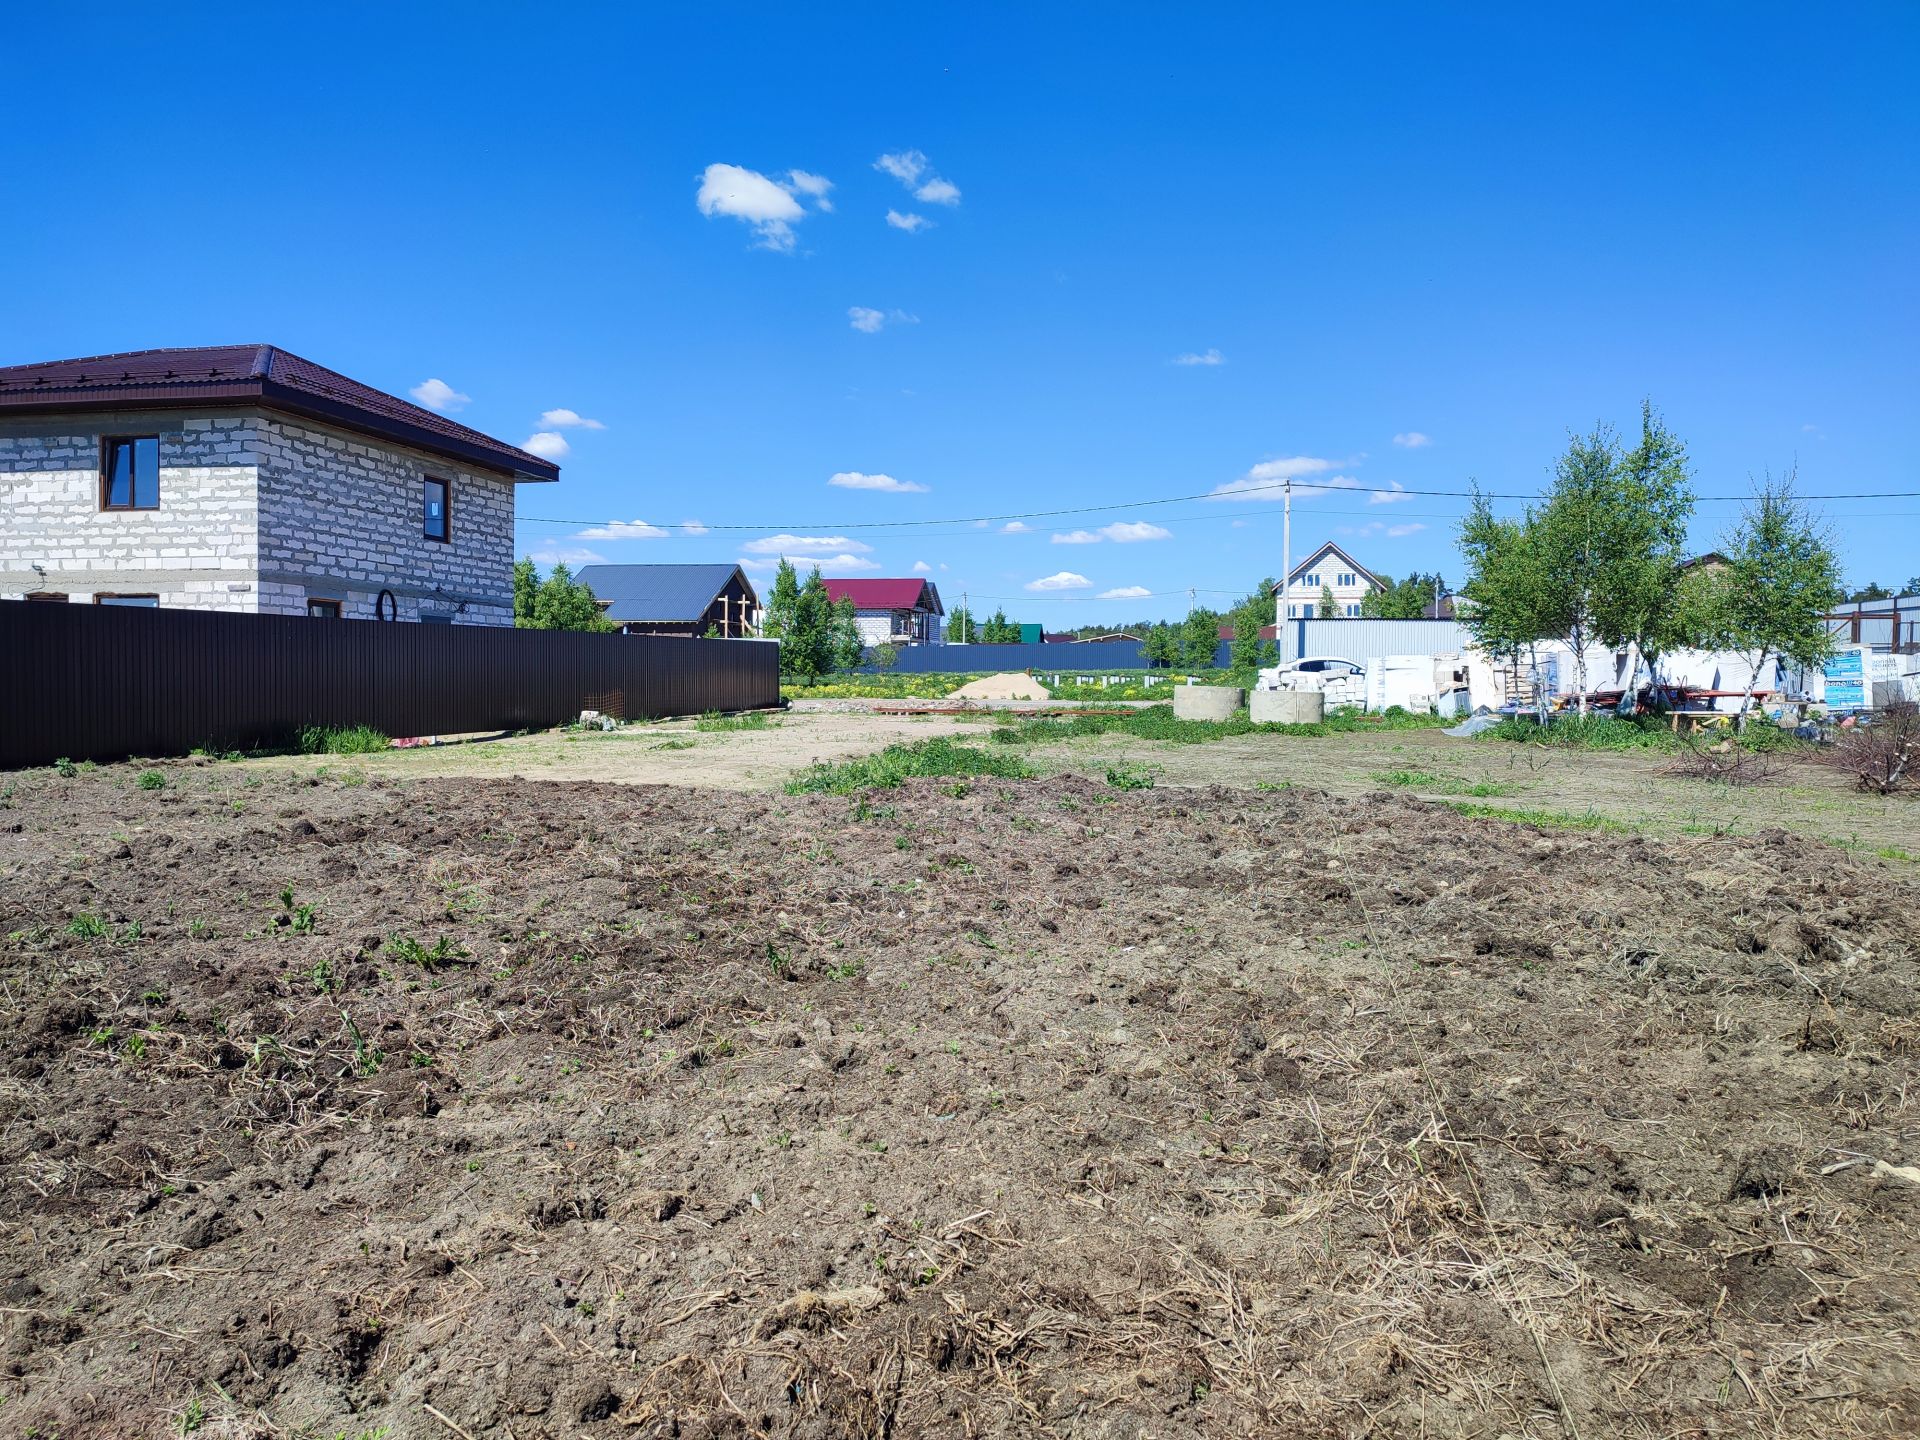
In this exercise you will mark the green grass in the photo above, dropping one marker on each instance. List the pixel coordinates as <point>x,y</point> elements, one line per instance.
<point>342,740</point>
<point>1433,784</point>
<point>713,721</point>
<point>898,763</point>
<point>1545,819</point>
<point>1157,722</point>
<point>1642,732</point>
<point>878,687</point>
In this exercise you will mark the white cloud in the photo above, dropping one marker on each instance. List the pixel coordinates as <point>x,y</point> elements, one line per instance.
<point>827,564</point>
<point>854,480</point>
<point>871,322</point>
<point>1202,357</point>
<point>1015,527</point>
<point>1263,481</point>
<point>623,530</point>
<point>567,420</point>
<point>572,558</point>
<point>438,395</point>
<point>1121,532</point>
<point>1380,527</point>
<point>1126,592</point>
<point>1413,440</point>
<point>767,205</point>
<point>804,545</point>
<point>693,527</point>
<point>548,445</point>
<point>1064,580</point>
<point>906,167</point>
<point>908,222</point>
<point>815,187</point>
<point>921,567</point>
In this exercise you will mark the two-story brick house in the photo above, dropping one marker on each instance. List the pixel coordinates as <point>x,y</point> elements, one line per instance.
<point>1328,569</point>
<point>243,477</point>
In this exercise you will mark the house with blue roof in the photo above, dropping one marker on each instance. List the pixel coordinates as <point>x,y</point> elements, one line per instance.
<point>688,600</point>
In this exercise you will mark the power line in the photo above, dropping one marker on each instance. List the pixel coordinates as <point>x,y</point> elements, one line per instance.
<point>1300,490</point>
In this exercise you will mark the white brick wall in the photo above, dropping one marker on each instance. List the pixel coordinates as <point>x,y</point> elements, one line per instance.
<point>258,512</point>
<point>340,515</point>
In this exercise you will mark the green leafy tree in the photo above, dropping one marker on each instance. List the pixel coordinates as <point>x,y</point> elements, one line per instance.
<point>1573,533</point>
<point>783,605</point>
<point>1199,638</point>
<point>999,630</point>
<point>844,645</point>
<point>558,602</point>
<point>1410,599</point>
<point>1912,587</point>
<point>1781,578</point>
<point>1162,644</point>
<point>1872,590</point>
<point>883,657</point>
<point>526,583</point>
<point>1329,607</point>
<point>1642,522</point>
<point>817,635</point>
<point>1248,617</point>
<point>961,629</point>
<point>1513,602</point>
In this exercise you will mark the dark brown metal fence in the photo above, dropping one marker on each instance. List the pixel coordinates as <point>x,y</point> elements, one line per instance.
<point>98,682</point>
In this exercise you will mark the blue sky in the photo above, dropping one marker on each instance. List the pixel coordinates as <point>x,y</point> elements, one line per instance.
<point>1421,242</point>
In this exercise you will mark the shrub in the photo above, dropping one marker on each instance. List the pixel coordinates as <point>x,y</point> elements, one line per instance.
<point>1883,755</point>
<point>152,780</point>
<point>1130,777</point>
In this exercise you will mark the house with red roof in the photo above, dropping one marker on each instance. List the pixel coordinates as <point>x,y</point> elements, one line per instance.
<point>243,477</point>
<point>893,612</point>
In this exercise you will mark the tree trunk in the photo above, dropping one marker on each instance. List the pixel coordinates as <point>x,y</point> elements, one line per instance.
<point>1580,668</point>
<point>1753,681</point>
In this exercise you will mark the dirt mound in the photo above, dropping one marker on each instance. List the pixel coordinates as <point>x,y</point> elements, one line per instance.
<point>1012,685</point>
<point>507,1108</point>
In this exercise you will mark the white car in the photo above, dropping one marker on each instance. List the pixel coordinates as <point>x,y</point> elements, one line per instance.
<point>1323,665</point>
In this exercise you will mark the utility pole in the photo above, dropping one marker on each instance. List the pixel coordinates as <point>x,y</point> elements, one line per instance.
<point>1282,611</point>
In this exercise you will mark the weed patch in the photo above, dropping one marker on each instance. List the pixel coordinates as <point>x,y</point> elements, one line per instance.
<point>714,722</point>
<point>344,740</point>
<point>938,758</point>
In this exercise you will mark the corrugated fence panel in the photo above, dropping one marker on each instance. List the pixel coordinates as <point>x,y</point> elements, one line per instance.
<point>964,659</point>
<point>1364,640</point>
<point>99,682</point>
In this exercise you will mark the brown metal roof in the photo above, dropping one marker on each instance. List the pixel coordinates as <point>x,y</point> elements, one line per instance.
<point>264,374</point>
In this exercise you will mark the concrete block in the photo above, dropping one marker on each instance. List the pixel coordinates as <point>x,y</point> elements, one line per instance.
<point>1207,702</point>
<point>1288,707</point>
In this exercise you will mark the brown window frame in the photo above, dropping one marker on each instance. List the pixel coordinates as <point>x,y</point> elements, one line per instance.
<point>339,607</point>
<point>101,597</point>
<point>59,597</point>
<point>107,442</point>
<point>446,505</point>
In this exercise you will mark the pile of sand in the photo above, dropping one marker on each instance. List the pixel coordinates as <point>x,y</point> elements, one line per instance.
<point>1013,685</point>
